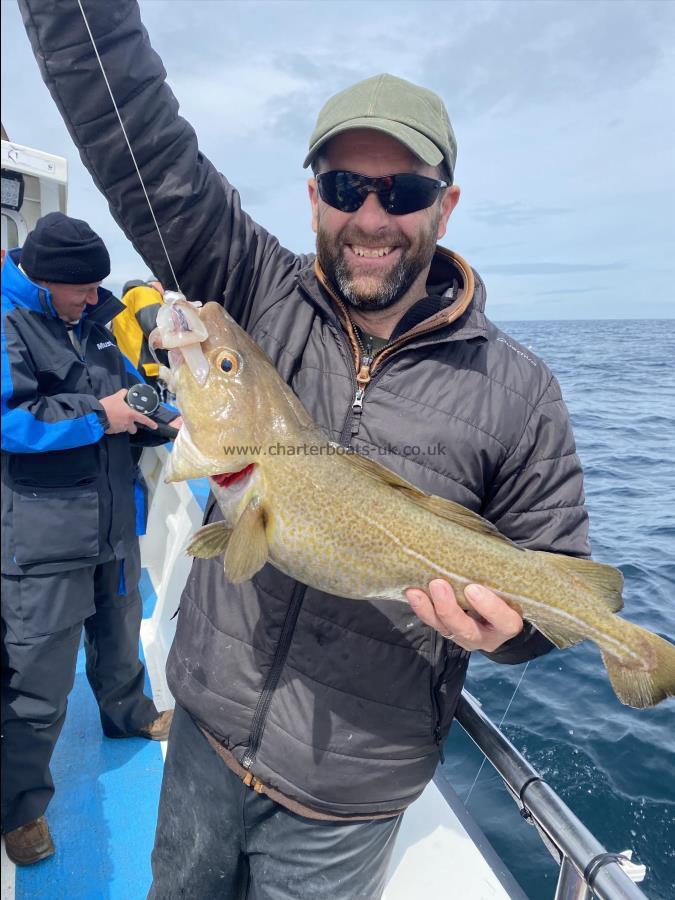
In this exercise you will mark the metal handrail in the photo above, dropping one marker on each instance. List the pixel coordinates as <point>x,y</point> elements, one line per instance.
<point>565,836</point>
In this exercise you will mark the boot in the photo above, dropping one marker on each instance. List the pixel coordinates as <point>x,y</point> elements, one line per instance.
<point>29,843</point>
<point>158,729</point>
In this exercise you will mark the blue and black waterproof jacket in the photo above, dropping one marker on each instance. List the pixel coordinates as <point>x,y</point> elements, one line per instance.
<point>67,487</point>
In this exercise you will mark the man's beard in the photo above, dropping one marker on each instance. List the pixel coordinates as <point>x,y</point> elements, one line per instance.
<point>391,286</point>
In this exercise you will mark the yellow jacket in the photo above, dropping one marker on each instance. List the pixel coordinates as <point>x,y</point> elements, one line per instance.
<point>132,327</point>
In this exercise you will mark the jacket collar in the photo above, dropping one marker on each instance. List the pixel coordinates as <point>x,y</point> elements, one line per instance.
<point>451,277</point>
<point>22,293</point>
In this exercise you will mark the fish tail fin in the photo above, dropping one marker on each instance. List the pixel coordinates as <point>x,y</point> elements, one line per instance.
<point>647,684</point>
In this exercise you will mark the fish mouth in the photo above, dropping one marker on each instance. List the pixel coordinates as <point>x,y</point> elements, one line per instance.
<point>180,331</point>
<point>187,461</point>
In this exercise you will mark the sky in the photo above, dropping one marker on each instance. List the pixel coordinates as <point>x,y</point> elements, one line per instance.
<point>564,114</point>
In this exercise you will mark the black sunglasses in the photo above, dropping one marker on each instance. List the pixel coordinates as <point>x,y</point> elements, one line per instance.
<point>398,194</point>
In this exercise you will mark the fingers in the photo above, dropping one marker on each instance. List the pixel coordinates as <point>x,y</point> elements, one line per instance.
<point>504,620</point>
<point>140,419</point>
<point>485,627</point>
<point>439,609</point>
<point>424,606</point>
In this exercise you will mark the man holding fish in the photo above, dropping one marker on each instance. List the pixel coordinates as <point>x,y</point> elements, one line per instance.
<point>314,692</point>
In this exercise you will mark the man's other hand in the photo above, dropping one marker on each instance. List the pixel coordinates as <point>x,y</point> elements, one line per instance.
<point>121,417</point>
<point>487,626</point>
<point>177,422</point>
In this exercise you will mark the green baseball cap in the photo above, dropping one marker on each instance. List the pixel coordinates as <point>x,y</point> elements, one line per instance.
<point>413,115</point>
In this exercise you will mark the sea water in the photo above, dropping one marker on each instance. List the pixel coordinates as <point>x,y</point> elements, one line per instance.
<point>613,766</point>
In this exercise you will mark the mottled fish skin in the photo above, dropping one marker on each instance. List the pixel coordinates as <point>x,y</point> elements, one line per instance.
<point>335,553</point>
<point>349,527</point>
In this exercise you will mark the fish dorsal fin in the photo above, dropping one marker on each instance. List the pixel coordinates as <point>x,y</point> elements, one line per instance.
<point>460,515</point>
<point>606,581</point>
<point>446,509</point>
<point>247,549</point>
<point>379,473</point>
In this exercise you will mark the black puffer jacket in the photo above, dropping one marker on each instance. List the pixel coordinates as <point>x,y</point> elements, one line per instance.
<point>339,704</point>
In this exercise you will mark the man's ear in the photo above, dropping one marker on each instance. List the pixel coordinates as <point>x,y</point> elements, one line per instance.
<point>448,203</point>
<point>314,201</point>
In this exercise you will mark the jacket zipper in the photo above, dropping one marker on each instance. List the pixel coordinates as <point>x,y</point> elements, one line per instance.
<point>362,378</point>
<point>270,686</point>
<point>364,375</point>
<point>363,364</point>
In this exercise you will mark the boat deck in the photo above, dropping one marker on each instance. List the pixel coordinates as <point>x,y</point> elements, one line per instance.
<point>102,816</point>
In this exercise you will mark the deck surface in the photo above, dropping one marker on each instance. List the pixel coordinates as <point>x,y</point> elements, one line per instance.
<point>104,810</point>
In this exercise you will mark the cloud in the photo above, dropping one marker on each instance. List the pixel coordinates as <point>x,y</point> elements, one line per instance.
<point>234,98</point>
<point>527,53</point>
<point>585,290</point>
<point>549,268</point>
<point>559,108</point>
<point>515,213</point>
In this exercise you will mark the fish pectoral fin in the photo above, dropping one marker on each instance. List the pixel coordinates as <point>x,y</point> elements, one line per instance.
<point>210,541</point>
<point>247,548</point>
<point>447,509</point>
<point>606,581</point>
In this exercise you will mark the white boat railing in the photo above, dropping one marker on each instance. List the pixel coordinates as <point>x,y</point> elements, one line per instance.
<point>587,869</point>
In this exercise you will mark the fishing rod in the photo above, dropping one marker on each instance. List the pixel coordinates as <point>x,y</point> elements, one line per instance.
<point>126,138</point>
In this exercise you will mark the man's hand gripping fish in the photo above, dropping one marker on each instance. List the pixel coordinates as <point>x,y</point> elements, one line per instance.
<point>289,496</point>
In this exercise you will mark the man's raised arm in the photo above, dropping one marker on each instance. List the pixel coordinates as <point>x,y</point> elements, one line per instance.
<point>214,247</point>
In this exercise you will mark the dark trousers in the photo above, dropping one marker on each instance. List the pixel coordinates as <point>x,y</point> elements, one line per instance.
<point>42,618</point>
<point>217,838</point>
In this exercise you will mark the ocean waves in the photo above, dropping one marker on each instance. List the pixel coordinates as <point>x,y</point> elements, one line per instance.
<point>614,766</point>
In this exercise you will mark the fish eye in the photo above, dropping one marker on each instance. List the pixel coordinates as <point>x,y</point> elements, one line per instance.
<point>227,362</point>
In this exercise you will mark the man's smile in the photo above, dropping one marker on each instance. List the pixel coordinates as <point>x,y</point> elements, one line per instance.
<point>372,255</point>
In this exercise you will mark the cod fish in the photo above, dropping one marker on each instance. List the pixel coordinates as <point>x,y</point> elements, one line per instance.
<point>346,525</point>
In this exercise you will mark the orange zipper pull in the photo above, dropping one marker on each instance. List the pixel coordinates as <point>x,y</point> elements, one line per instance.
<point>250,780</point>
<point>363,376</point>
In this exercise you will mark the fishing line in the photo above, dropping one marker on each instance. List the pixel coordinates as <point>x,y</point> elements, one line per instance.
<point>506,712</point>
<point>126,138</point>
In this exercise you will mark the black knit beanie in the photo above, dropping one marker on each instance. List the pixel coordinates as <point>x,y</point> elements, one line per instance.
<point>64,250</point>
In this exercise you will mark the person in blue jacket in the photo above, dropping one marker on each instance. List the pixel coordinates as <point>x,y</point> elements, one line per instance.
<point>70,553</point>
